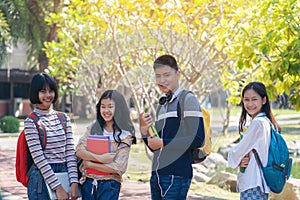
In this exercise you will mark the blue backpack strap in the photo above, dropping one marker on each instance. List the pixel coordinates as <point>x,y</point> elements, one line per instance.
<point>259,164</point>
<point>257,158</point>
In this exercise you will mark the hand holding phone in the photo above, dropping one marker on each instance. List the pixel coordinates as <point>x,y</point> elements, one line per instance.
<point>152,130</point>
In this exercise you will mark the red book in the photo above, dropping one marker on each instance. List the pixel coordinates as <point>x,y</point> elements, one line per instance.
<point>98,144</point>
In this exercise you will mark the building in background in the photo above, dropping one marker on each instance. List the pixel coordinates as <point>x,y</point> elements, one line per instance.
<point>14,83</point>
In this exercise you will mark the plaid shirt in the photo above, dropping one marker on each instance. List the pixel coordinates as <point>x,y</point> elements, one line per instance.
<point>119,164</point>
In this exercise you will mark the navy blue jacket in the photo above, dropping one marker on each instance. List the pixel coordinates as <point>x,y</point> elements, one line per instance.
<point>175,157</point>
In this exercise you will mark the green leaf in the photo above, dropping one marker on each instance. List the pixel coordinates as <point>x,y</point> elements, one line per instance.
<point>240,64</point>
<point>285,64</point>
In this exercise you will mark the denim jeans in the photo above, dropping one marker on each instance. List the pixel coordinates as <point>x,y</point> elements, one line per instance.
<point>100,189</point>
<point>37,189</point>
<point>169,187</point>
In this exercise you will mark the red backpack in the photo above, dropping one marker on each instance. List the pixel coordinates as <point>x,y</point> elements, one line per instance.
<point>24,161</point>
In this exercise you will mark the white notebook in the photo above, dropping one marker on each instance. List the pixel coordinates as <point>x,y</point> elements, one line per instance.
<point>63,178</point>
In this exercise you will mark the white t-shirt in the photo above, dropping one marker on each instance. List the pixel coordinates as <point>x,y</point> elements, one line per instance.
<point>111,137</point>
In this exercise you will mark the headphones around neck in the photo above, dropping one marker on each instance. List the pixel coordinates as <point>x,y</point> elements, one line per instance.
<point>165,99</point>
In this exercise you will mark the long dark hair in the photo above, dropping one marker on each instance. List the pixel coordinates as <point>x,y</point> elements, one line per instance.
<point>121,118</point>
<point>260,89</point>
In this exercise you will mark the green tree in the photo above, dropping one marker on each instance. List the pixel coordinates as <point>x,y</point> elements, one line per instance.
<point>264,46</point>
<point>26,22</point>
<point>218,44</point>
<point>117,41</point>
<point>4,37</point>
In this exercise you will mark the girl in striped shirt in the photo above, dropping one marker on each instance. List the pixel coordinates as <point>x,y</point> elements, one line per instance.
<point>58,155</point>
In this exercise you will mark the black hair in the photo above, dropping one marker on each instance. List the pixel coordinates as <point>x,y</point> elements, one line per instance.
<point>38,83</point>
<point>121,119</point>
<point>166,60</point>
<point>260,89</point>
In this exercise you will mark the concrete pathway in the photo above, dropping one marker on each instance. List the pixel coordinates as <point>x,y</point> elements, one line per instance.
<point>13,190</point>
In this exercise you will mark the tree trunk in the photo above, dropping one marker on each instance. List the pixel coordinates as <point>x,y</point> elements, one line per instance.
<point>52,36</point>
<point>227,118</point>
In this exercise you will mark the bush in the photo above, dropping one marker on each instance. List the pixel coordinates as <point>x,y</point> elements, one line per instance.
<point>9,124</point>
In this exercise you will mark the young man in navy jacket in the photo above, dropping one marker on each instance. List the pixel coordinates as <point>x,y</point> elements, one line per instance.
<point>172,170</point>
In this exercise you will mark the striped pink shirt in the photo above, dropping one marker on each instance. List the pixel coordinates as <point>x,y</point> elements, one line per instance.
<point>59,147</point>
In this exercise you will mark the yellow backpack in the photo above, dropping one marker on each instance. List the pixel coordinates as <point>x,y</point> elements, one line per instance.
<point>201,153</point>
<point>208,132</point>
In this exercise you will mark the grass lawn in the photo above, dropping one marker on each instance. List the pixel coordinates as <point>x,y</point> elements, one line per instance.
<point>236,110</point>
<point>139,166</point>
<point>139,169</point>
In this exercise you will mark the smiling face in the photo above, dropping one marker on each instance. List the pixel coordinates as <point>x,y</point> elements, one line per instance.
<point>46,97</point>
<point>167,79</point>
<point>253,102</point>
<point>107,110</point>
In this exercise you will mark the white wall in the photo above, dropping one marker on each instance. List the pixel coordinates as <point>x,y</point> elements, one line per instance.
<point>17,58</point>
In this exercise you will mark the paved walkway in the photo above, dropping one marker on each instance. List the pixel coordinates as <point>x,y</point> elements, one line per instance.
<point>13,190</point>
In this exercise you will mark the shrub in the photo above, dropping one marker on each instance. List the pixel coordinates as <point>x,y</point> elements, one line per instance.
<point>9,124</point>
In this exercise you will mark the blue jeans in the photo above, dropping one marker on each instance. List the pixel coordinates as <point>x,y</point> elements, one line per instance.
<point>37,189</point>
<point>100,189</point>
<point>169,187</point>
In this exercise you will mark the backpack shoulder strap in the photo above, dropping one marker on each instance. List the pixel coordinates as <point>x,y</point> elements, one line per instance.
<point>259,164</point>
<point>40,128</point>
<point>63,120</point>
<point>157,111</point>
<point>34,117</point>
<point>180,105</point>
<point>257,158</point>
